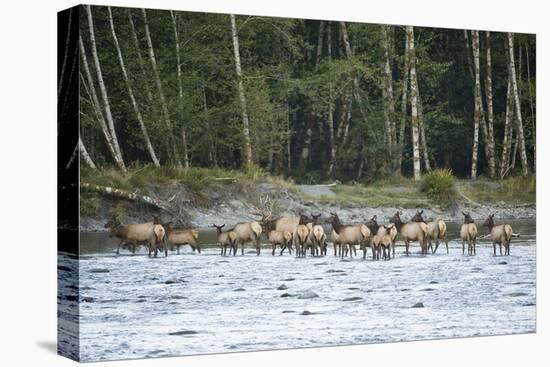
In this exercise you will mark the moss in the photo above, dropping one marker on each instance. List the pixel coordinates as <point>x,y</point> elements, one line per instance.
<point>89,205</point>
<point>406,195</point>
<point>511,190</point>
<point>122,209</point>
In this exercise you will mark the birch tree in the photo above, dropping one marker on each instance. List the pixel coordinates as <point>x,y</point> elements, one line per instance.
<point>135,106</point>
<point>477,103</point>
<point>240,91</point>
<point>489,97</point>
<point>163,104</point>
<point>180,88</point>
<point>387,90</point>
<point>507,139</point>
<point>107,108</point>
<point>404,99</point>
<point>310,120</point>
<point>414,103</point>
<point>531,105</point>
<point>423,139</point>
<point>356,89</point>
<point>520,135</point>
<point>141,63</point>
<point>332,141</point>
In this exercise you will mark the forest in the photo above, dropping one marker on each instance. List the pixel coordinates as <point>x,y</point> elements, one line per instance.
<point>311,100</point>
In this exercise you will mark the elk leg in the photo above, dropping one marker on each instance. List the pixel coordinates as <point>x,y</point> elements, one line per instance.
<point>447,244</point>
<point>500,248</point>
<point>118,248</point>
<point>407,247</point>
<point>462,246</point>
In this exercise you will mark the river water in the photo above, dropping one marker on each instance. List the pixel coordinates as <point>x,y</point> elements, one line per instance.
<point>132,306</point>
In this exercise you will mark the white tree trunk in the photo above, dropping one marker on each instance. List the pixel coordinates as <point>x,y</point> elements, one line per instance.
<point>423,138</point>
<point>140,59</point>
<point>520,135</point>
<point>489,96</point>
<point>404,99</point>
<point>533,116</point>
<point>414,103</point>
<point>180,87</point>
<point>90,89</point>
<point>477,100</point>
<point>163,104</point>
<point>109,117</point>
<point>332,140</point>
<point>150,148</point>
<point>507,141</point>
<point>356,89</point>
<point>387,90</point>
<point>242,97</point>
<point>84,154</point>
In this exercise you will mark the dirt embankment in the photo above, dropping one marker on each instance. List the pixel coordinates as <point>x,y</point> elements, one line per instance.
<point>233,202</point>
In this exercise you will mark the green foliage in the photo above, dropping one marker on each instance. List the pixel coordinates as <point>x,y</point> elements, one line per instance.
<point>510,190</point>
<point>288,90</point>
<point>438,185</point>
<point>89,205</point>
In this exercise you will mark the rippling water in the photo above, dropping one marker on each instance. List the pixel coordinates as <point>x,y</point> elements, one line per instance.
<point>134,307</point>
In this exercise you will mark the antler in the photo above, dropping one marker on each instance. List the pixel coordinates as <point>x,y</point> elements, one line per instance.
<point>267,206</point>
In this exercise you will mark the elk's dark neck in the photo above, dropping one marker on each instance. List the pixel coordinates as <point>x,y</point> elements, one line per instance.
<point>490,225</point>
<point>336,225</point>
<point>270,224</point>
<point>398,224</point>
<point>374,227</point>
<point>119,231</point>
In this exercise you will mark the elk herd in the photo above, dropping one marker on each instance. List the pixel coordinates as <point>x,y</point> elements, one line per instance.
<point>305,233</point>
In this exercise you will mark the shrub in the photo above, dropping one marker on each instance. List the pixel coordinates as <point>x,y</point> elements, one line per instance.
<point>438,185</point>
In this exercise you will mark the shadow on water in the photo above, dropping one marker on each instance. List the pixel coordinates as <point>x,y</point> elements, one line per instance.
<point>48,345</point>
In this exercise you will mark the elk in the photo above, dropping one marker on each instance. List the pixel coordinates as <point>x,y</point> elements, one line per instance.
<point>180,237</point>
<point>375,246</point>
<point>437,229</point>
<point>317,237</point>
<point>335,237</point>
<point>501,234</point>
<point>349,235</point>
<point>275,237</point>
<point>382,230</point>
<point>157,236</point>
<point>468,232</point>
<point>386,244</point>
<point>130,234</point>
<point>280,224</point>
<point>411,231</point>
<point>300,236</point>
<point>248,232</point>
<point>226,239</point>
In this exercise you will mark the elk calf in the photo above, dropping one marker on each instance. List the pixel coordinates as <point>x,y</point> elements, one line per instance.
<point>180,237</point>
<point>226,239</point>
<point>468,232</point>
<point>385,229</point>
<point>301,235</point>
<point>277,237</point>
<point>501,234</point>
